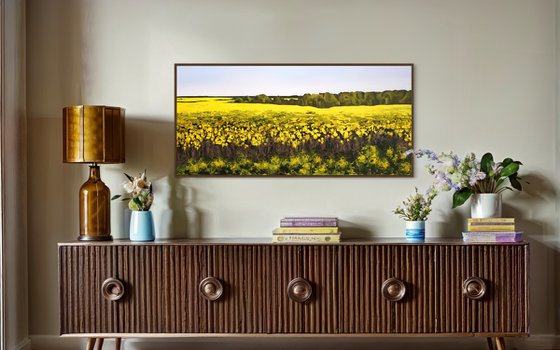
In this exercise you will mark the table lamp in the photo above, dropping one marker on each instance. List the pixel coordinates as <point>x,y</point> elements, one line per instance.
<point>95,135</point>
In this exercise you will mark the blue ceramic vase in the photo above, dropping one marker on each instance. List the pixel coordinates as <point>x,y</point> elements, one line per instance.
<point>415,230</point>
<point>142,226</point>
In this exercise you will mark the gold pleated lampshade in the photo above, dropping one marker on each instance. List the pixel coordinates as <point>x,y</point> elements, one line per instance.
<point>93,134</point>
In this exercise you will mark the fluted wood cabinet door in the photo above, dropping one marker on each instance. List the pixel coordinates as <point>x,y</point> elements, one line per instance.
<point>317,265</point>
<point>503,307</point>
<point>179,305</point>
<point>241,269</point>
<point>362,269</point>
<point>320,268</point>
<point>415,265</point>
<point>363,272</point>
<point>83,270</point>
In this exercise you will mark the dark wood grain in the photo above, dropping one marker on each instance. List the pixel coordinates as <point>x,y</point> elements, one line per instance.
<point>161,283</point>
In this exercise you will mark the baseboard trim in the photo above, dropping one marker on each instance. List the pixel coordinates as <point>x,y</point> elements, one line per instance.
<point>24,345</point>
<point>54,342</point>
<point>48,342</point>
<point>539,342</point>
<point>534,342</point>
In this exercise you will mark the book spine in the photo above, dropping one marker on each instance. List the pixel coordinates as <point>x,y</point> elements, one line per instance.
<point>490,228</point>
<point>485,223</point>
<point>492,233</point>
<point>516,238</point>
<point>306,230</point>
<point>492,220</point>
<point>305,238</point>
<point>493,240</point>
<point>312,218</point>
<point>308,223</point>
<point>492,236</point>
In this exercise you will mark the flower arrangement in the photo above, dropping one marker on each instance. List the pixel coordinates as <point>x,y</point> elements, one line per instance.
<point>469,175</point>
<point>417,206</point>
<point>138,192</point>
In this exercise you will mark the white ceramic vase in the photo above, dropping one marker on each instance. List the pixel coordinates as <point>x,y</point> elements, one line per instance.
<point>486,205</point>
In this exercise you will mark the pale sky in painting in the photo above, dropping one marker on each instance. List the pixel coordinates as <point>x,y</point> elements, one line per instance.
<point>289,80</point>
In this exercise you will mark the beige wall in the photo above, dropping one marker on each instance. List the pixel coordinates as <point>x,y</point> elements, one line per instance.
<point>485,80</point>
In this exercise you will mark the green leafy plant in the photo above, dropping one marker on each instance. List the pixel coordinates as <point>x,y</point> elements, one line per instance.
<point>138,192</point>
<point>417,206</point>
<point>469,175</point>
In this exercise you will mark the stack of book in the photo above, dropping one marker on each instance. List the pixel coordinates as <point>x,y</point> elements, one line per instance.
<point>492,230</point>
<point>307,229</point>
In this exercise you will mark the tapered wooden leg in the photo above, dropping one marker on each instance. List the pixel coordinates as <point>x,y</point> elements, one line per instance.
<point>490,343</point>
<point>91,343</point>
<point>500,343</point>
<point>100,344</point>
<point>117,343</point>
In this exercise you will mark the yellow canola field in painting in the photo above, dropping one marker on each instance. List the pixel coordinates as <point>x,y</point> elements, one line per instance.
<point>218,136</point>
<point>226,105</point>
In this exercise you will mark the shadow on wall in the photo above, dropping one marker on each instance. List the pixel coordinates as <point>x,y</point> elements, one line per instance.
<point>526,208</point>
<point>544,299</point>
<point>451,226</point>
<point>178,217</point>
<point>353,231</point>
<point>556,288</point>
<point>150,146</point>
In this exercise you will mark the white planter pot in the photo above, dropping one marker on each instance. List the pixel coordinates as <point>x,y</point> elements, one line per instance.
<point>486,205</point>
<point>415,230</point>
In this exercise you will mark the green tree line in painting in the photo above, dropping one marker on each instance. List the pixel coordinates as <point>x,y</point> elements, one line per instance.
<point>327,100</point>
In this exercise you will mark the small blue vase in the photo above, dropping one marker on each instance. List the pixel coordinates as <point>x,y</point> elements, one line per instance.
<point>142,226</point>
<point>415,231</point>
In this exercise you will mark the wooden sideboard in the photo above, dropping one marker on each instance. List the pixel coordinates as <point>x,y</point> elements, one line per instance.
<point>355,288</point>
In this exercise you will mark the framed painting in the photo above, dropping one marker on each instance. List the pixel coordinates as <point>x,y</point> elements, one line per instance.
<point>293,120</point>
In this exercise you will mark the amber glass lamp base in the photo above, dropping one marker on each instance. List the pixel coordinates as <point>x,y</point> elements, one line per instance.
<point>95,214</point>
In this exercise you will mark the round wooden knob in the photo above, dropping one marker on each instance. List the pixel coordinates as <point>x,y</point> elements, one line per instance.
<point>393,289</point>
<point>299,290</point>
<point>211,288</point>
<point>112,289</point>
<point>474,288</point>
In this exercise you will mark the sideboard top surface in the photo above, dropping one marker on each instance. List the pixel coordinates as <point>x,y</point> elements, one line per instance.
<point>266,241</point>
